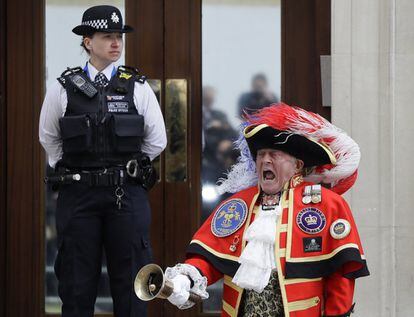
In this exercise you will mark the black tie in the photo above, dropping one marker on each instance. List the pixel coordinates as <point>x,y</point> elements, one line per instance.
<point>101,80</point>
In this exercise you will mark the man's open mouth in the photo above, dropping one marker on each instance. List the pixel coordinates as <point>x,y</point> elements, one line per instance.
<point>268,175</point>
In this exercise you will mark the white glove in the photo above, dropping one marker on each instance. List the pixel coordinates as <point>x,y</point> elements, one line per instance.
<point>181,291</point>
<point>180,275</point>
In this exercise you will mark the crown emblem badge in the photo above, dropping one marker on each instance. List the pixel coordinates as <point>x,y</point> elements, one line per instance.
<point>311,220</point>
<point>340,229</point>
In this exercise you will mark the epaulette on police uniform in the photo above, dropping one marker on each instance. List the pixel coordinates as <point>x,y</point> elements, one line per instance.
<point>124,76</point>
<point>312,194</point>
<point>66,72</point>
<point>127,72</point>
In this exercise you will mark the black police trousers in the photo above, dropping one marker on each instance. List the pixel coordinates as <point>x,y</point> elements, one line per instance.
<point>88,220</point>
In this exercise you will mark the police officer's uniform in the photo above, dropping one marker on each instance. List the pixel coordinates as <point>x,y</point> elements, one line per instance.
<point>93,131</point>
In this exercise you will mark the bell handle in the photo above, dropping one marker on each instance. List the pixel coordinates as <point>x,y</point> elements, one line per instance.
<point>195,298</point>
<point>169,289</point>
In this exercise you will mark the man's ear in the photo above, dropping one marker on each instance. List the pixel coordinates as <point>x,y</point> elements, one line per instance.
<point>299,165</point>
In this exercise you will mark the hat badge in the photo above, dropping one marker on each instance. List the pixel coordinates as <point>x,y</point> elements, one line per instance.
<point>114,17</point>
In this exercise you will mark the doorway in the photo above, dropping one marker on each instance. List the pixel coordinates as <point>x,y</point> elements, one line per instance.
<point>167,48</point>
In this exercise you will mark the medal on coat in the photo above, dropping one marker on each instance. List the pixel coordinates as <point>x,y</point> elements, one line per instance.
<point>229,217</point>
<point>306,198</point>
<point>311,220</point>
<point>316,193</point>
<point>340,229</point>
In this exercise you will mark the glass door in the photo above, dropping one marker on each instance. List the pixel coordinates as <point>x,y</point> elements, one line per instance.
<point>241,72</point>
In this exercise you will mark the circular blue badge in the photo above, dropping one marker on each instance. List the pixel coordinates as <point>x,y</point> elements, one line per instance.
<point>229,217</point>
<point>311,220</point>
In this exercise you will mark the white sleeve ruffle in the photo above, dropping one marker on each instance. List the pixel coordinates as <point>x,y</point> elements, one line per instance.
<point>200,282</point>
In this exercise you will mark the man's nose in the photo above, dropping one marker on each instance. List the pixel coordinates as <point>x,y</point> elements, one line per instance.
<point>267,158</point>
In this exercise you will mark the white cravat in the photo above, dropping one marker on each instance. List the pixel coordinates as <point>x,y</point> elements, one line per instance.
<point>258,258</point>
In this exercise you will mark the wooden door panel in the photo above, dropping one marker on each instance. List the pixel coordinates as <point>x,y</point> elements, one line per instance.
<point>306,35</point>
<point>24,90</point>
<point>183,61</point>
<point>3,151</point>
<point>144,50</point>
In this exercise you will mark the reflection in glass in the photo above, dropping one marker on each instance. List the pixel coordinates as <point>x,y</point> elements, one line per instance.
<point>176,125</point>
<point>241,73</point>
<point>63,50</point>
<point>155,85</point>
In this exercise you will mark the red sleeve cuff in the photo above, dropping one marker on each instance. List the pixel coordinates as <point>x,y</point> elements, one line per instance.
<point>205,268</point>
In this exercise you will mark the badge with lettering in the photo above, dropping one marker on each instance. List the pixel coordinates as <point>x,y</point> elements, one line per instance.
<point>117,106</point>
<point>340,229</point>
<point>311,220</point>
<point>115,98</point>
<point>312,244</point>
<point>229,217</point>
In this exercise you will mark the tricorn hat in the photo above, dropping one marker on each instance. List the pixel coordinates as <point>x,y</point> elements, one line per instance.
<point>102,18</point>
<point>311,152</point>
<point>333,155</point>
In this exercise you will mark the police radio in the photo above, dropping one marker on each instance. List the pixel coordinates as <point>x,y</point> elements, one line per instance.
<point>84,86</point>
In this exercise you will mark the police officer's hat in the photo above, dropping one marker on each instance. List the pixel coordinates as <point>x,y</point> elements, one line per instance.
<point>103,18</point>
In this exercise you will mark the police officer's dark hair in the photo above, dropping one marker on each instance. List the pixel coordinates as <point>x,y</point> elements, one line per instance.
<point>83,43</point>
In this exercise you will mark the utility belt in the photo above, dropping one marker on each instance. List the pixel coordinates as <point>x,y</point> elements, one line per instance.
<point>138,171</point>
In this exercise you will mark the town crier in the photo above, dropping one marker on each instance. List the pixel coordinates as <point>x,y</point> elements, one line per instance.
<point>284,244</point>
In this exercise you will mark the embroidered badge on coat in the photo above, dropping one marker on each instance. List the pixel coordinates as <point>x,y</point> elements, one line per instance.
<point>229,217</point>
<point>340,229</point>
<point>311,220</point>
<point>312,244</point>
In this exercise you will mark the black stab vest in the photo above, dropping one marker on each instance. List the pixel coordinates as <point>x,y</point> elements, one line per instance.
<point>105,130</point>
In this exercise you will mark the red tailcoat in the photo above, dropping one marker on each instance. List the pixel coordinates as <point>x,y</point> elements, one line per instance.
<point>314,282</point>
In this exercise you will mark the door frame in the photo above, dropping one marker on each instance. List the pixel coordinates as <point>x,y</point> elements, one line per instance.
<point>305,36</point>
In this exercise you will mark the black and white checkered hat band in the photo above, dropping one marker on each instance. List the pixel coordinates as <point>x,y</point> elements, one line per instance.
<point>97,24</point>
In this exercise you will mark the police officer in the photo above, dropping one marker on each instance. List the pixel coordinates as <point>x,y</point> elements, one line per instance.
<point>96,121</point>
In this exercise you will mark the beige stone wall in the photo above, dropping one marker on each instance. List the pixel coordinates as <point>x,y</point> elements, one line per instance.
<point>372,99</point>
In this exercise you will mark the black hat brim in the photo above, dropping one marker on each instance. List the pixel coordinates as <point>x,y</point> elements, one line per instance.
<point>88,30</point>
<point>312,153</point>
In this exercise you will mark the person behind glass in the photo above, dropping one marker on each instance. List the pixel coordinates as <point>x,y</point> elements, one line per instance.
<point>211,116</point>
<point>258,97</point>
<point>95,121</point>
<point>217,133</point>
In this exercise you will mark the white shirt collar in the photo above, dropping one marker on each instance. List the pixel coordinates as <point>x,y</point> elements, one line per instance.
<point>93,71</point>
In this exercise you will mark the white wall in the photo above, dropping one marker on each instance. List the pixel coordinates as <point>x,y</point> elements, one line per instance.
<point>372,93</point>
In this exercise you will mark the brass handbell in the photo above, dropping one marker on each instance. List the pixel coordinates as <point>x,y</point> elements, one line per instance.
<point>151,283</point>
